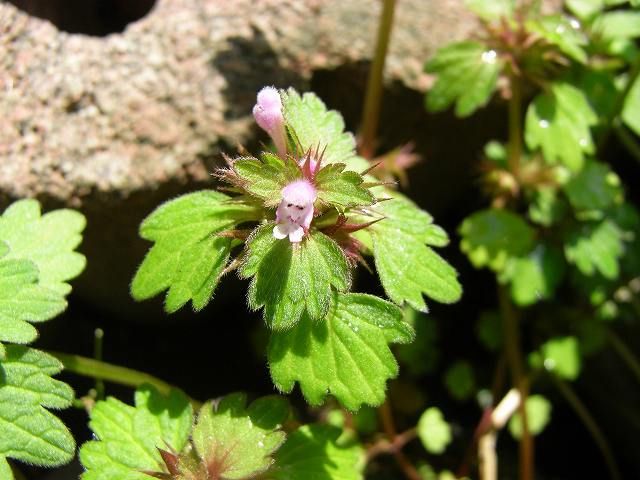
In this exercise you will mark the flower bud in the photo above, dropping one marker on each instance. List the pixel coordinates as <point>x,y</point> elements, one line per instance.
<point>268,114</point>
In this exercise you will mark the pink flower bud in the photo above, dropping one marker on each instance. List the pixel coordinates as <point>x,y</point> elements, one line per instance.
<point>295,212</point>
<point>268,114</point>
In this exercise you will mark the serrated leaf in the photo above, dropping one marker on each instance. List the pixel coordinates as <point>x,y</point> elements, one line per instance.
<point>187,257</point>
<point>407,267</point>
<point>288,279</point>
<point>559,30</point>
<point>538,416</point>
<point>237,442</point>
<point>595,187</point>
<point>5,469</point>
<point>312,452</point>
<point>342,189</point>
<point>535,276</point>
<point>560,355</point>
<point>559,124</point>
<point>128,438</point>
<point>23,300</point>
<point>631,110</point>
<point>467,75</point>
<point>346,354</point>
<point>315,127</point>
<point>48,241</point>
<point>460,380</point>
<point>433,430</point>
<point>491,9</point>
<point>28,432</point>
<point>596,247</point>
<point>265,177</point>
<point>491,237</point>
<point>617,24</point>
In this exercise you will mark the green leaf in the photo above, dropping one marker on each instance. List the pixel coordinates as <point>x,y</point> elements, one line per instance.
<point>596,247</point>
<point>631,111</point>
<point>434,431</point>
<point>289,279</point>
<point>407,267</point>
<point>617,24</point>
<point>48,241</point>
<point>188,257</point>
<point>491,9</point>
<point>585,9</point>
<point>312,452</point>
<point>5,469</point>
<point>491,237</point>
<point>265,177</point>
<point>128,438</point>
<point>460,380</point>
<point>237,442</point>
<point>467,75</point>
<point>538,415</point>
<point>420,356</point>
<point>23,299</point>
<point>559,123</point>
<point>560,355</point>
<point>559,30</point>
<point>342,189</point>
<point>536,276</point>
<point>346,354</point>
<point>315,127</point>
<point>28,432</point>
<point>546,207</point>
<point>595,187</point>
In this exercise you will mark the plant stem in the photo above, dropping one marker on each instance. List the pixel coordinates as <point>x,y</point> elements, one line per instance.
<point>98,336</point>
<point>383,445</point>
<point>518,378</point>
<point>386,417</point>
<point>627,140</point>
<point>618,106</point>
<point>88,367</point>
<point>581,410</point>
<point>371,109</point>
<point>515,125</point>
<point>625,353</point>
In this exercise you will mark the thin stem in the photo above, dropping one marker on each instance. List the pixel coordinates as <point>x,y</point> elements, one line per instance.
<point>627,140</point>
<point>618,106</point>
<point>518,378</point>
<point>98,336</point>
<point>515,125</point>
<point>487,457</point>
<point>625,353</point>
<point>386,417</point>
<point>598,437</point>
<point>384,446</point>
<point>371,109</point>
<point>88,367</point>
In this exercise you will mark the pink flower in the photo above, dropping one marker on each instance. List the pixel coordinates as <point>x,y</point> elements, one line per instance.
<point>295,212</point>
<point>268,114</point>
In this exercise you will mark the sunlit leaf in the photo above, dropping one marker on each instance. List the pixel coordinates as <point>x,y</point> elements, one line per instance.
<point>433,430</point>
<point>290,279</point>
<point>467,75</point>
<point>559,124</point>
<point>596,247</point>
<point>346,354</point>
<point>538,416</point>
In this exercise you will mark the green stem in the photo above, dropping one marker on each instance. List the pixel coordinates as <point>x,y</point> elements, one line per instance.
<point>88,367</point>
<point>627,140</point>
<point>97,354</point>
<point>618,106</point>
<point>371,110</point>
<point>515,126</point>
<point>625,353</point>
<point>514,358</point>
<point>581,410</point>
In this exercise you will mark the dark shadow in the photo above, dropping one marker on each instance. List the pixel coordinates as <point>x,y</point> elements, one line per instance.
<point>91,17</point>
<point>248,65</point>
